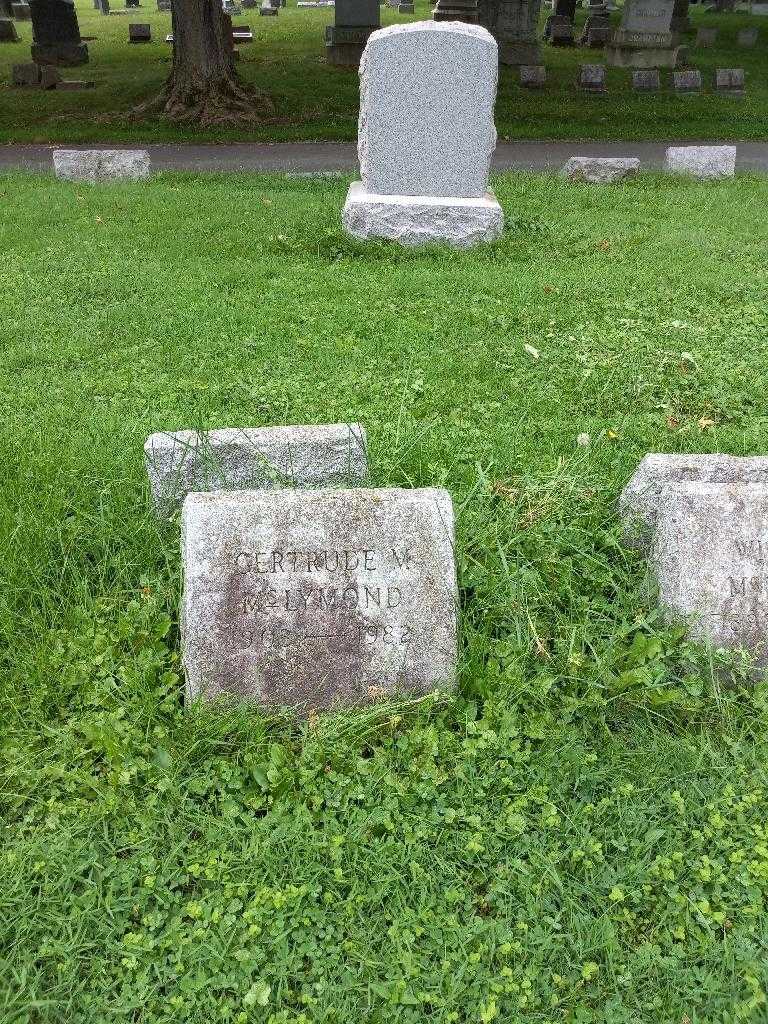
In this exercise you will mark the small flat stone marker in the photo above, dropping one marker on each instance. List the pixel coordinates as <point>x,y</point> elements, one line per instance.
<point>599,169</point>
<point>315,599</point>
<point>708,162</point>
<point>140,33</point>
<point>592,78</point>
<point>426,136</point>
<point>687,82</point>
<point>747,38</point>
<point>730,81</point>
<point>706,37</point>
<point>533,76</point>
<point>641,499</point>
<point>710,556</point>
<point>646,80</point>
<point>100,164</point>
<point>253,458</point>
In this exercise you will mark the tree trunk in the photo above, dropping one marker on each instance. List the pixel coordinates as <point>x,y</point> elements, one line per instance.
<point>203,86</point>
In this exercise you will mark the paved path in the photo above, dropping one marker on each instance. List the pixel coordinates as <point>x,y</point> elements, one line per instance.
<point>309,157</point>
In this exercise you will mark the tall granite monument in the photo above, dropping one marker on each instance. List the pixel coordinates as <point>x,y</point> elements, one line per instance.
<point>645,38</point>
<point>353,23</point>
<point>514,24</point>
<point>56,34</point>
<point>426,136</point>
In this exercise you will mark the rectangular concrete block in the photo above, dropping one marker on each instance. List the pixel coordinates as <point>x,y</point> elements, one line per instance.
<point>317,599</point>
<point>98,165</point>
<point>253,458</point>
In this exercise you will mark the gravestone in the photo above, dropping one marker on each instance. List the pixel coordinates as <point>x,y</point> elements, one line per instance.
<point>456,10</point>
<point>165,6</point>
<point>514,25</point>
<point>8,33</point>
<point>354,20</point>
<point>140,33</point>
<point>558,28</point>
<point>710,560</point>
<point>267,9</point>
<point>318,599</point>
<point>646,80</point>
<point>426,136</point>
<point>21,12</point>
<point>533,76</point>
<point>747,38</point>
<point>74,86</point>
<point>600,170</point>
<point>645,38</point>
<point>405,8</point>
<point>50,77</point>
<point>253,458</point>
<point>132,3</point>
<point>686,83</point>
<point>729,81</point>
<point>25,75</point>
<point>597,27</point>
<point>706,37</point>
<point>592,78</point>
<point>100,164</point>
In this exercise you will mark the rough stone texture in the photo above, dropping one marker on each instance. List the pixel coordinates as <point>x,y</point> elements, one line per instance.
<point>533,76</point>
<point>600,170</point>
<point>748,37</point>
<point>644,39</point>
<point>730,81</point>
<point>101,164</point>
<point>706,37</point>
<point>422,220</point>
<point>427,91</point>
<point>255,458</point>
<point>646,80</point>
<point>592,78</point>
<point>641,499</point>
<point>710,556</point>
<point>702,161</point>
<point>687,81</point>
<point>312,599</point>
<point>25,75</point>
<point>141,33</point>
<point>8,33</point>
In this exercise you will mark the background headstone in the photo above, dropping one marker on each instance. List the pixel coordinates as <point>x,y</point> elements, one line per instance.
<point>354,20</point>
<point>533,76</point>
<point>514,25</point>
<point>646,80</point>
<point>56,34</point>
<point>747,37</point>
<point>21,12</point>
<point>50,77</point>
<point>456,10</point>
<point>140,33</point>
<point>253,458</point>
<point>100,164</point>
<point>314,599</point>
<point>710,556</point>
<point>8,33</point>
<point>730,81</point>
<point>681,21</point>
<point>686,82</point>
<point>706,37</point>
<point>645,38</point>
<point>592,78</point>
<point>597,27</point>
<point>25,75</point>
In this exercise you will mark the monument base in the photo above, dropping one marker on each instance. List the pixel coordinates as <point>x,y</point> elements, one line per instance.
<point>62,54</point>
<point>344,44</point>
<point>422,220</point>
<point>626,57</point>
<point>519,54</point>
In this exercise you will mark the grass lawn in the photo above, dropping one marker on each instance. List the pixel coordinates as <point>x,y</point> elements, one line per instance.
<point>316,101</point>
<point>579,834</point>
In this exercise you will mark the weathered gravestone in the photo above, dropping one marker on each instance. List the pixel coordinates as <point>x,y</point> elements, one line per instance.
<point>687,82</point>
<point>559,25</point>
<point>514,25</point>
<point>600,170</point>
<point>747,38</point>
<point>313,599</point>
<point>56,34</point>
<point>730,81</point>
<point>50,77</point>
<point>710,560</point>
<point>455,10</point>
<point>426,136</point>
<point>706,37</point>
<point>354,20</point>
<point>592,78</point>
<point>646,80</point>
<point>645,38</point>
<point>8,33</point>
<point>25,75</point>
<point>533,76</point>
<point>132,3</point>
<point>253,459</point>
<point>21,12</point>
<point>597,27</point>
<point>141,33</point>
<point>101,164</point>
<point>267,9</point>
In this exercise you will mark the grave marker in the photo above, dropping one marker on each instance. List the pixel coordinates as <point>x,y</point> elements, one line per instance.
<point>729,81</point>
<point>645,38</point>
<point>687,82</point>
<point>514,25</point>
<point>140,33</point>
<point>21,12</point>
<point>533,77</point>
<point>708,162</point>
<point>706,37</point>
<point>314,599</point>
<point>99,164</point>
<point>592,78</point>
<point>354,21</point>
<point>8,33</point>
<point>600,170</point>
<point>646,80</point>
<point>747,38</point>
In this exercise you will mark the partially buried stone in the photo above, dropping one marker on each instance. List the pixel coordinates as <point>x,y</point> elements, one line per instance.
<point>646,80</point>
<point>317,599</point>
<point>533,76</point>
<point>641,499</point>
<point>687,82</point>
<point>600,170</point>
<point>729,81</point>
<point>592,78</point>
<point>8,33</point>
<point>710,557</point>
<point>236,458</point>
<point>100,164</point>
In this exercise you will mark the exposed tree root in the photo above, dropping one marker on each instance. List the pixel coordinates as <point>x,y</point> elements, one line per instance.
<point>223,102</point>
